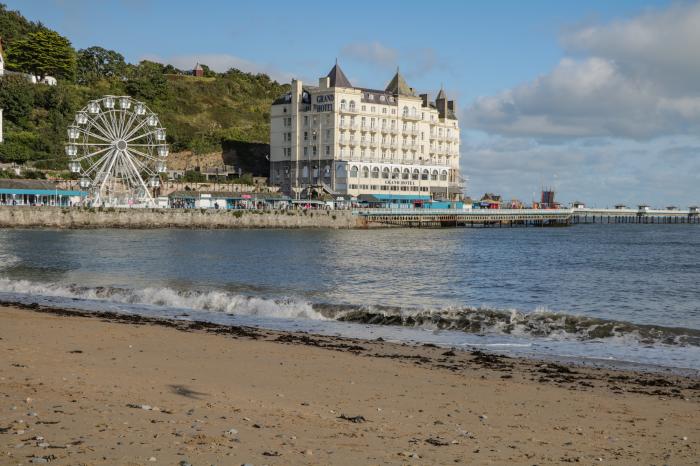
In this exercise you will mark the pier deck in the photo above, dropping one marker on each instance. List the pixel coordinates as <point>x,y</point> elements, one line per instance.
<point>427,218</point>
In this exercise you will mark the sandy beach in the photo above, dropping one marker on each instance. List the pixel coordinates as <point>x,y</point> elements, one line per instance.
<point>111,389</point>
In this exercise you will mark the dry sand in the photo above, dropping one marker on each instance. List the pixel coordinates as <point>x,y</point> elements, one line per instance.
<point>73,390</point>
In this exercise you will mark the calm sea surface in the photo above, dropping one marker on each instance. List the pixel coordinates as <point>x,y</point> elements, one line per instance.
<point>608,292</point>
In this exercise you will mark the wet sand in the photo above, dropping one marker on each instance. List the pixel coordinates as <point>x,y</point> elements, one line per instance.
<point>78,388</point>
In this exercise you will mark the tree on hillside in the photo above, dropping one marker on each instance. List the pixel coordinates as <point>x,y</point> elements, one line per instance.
<point>208,72</point>
<point>95,63</point>
<point>16,98</point>
<point>15,26</point>
<point>43,53</point>
<point>147,81</point>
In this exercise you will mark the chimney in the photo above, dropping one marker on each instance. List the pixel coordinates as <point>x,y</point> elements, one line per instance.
<point>324,82</point>
<point>424,98</point>
<point>452,106</point>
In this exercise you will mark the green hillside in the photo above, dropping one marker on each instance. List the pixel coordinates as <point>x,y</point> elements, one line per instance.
<point>200,114</point>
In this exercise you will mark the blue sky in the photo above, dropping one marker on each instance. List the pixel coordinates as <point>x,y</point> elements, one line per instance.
<point>543,86</point>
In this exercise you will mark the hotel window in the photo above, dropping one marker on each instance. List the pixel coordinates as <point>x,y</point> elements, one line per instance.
<point>315,121</point>
<point>343,104</point>
<point>393,110</point>
<point>434,175</point>
<point>415,175</point>
<point>362,154</point>
<point>396,174</point>
<point>424,175</point>
<point>353,172</point>
<point>372,108</point>
<point>328,150</point>
<point>375,172</point>
<point>405,175</point>
<point>365,172</point>
<point>422,135</point>
<point>405,111</point>
<point>306,135</point>
<point>352,105</point>
<point>405,126</point>
<point>371,97</point>
<point>371,122</point>
<point>384,154</point>
<point>443,175</point>
<point>384,110</point>
<point>306,121</point>
<point>364,108</point>
<point>382,99</point>
<point>328,134</point>
<point>393,124</point>
<point>313,150</point>
<point>306,151</point>
<point>385,173</point>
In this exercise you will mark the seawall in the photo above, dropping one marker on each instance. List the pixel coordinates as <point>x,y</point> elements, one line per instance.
<point>56,217</point>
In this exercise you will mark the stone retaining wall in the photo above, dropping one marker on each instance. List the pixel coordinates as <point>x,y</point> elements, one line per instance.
<point>56,217</point>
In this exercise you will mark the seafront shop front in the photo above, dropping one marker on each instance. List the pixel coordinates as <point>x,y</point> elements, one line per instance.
<point>227,200</point>
<point>38,193</point>
<point>41,197</point>
<point>404,201</point>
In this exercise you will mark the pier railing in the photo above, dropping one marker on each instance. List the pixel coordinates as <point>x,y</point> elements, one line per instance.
<point>426,217</point>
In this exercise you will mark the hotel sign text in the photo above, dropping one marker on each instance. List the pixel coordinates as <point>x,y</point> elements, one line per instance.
<point>401,182</point>
<point>324,103</point>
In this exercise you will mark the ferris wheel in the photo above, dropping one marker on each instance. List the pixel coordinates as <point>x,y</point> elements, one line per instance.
<point>118,148</point>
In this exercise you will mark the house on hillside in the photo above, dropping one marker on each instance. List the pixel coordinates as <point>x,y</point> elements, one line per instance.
<point>198,71</point>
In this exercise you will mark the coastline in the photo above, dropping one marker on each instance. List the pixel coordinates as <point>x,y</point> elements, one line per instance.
<point>241,395</point>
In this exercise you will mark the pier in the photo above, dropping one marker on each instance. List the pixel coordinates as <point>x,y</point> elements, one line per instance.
<point>643,215</point>
<point>432,218</point>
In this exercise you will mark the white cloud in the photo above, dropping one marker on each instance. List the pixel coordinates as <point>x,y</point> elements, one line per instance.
<point>419,61</point>
<point>373,53</point>
<point>638,78</point>
<point>221,63</point>
<point>660,172</point>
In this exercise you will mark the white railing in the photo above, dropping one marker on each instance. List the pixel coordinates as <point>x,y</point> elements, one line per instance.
<point>489,212</point>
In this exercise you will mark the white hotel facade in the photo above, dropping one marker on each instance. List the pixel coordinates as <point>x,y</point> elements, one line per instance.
<point>352,141</point>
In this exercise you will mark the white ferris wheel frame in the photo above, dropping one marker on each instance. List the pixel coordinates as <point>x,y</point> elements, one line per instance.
<point>117,139</point>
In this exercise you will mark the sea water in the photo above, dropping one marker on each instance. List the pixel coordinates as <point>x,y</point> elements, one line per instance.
<point>622,293</point>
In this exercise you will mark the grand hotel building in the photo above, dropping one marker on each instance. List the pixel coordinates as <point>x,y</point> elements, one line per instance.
<point>348,140</point>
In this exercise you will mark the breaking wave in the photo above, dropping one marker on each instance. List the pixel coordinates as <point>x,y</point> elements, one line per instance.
<point>541,323</point>
<point>218,301</point>
<point>473,320</point>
